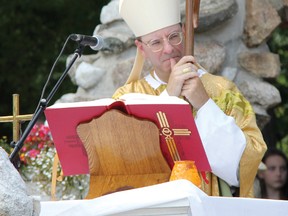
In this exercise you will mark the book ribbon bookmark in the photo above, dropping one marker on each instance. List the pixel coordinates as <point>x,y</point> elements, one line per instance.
<point>182,169</point>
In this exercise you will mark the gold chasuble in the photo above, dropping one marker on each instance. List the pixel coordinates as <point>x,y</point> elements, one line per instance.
<point>227,96</point>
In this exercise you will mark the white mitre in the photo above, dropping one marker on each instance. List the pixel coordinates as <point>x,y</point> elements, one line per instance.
<point>144,17</point>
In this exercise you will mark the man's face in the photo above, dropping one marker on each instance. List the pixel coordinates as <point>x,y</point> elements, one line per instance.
<point>161,59</point>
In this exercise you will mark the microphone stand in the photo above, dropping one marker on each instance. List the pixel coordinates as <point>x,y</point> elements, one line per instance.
<point>43,104</point>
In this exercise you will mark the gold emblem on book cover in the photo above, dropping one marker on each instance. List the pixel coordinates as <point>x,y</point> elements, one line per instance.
<point>168,133</point>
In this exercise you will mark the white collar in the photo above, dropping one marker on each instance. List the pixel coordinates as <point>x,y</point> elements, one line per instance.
<point>154,82</point>
<point>158,79</point>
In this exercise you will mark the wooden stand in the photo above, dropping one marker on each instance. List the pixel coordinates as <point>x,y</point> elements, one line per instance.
<point>123,153</point>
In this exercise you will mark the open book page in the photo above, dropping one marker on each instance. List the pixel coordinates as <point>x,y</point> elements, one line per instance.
<point>138,98</point>
<point>131,98</point>
<point>98,102</point>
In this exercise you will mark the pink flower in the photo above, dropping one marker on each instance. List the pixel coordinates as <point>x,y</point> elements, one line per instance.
<point>41,145</point>
<point>24,149</point>
<point>33,153</point>
<point>28,139</point>
<point>38,140</point>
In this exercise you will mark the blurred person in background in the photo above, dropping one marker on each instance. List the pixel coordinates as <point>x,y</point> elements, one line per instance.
<point>273,179</point>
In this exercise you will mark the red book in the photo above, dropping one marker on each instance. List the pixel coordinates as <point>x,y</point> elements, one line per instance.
<point>179,137</point>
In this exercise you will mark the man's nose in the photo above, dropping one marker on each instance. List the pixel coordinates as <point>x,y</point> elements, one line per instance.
<point>167,47</point>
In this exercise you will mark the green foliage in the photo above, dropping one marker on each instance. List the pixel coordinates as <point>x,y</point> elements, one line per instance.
<point>283,145</point>
<point>4,144</point>
<point>279,44</point>
<point>33,33</point>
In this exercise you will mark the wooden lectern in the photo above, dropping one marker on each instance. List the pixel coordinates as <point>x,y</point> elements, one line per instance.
<point>127,143</point>
<point>123,153</point>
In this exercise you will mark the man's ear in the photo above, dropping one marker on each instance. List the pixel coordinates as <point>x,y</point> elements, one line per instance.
<point>139,45</point>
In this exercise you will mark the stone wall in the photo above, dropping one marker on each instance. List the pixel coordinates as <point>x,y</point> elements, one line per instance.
<point>230,41</point>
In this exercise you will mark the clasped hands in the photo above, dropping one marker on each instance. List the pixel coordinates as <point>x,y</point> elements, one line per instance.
<point>184,81</point>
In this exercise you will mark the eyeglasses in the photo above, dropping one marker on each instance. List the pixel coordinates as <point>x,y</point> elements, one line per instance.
<point>175,38</point>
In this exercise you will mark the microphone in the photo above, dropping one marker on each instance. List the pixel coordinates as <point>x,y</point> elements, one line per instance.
<point>95,42</point>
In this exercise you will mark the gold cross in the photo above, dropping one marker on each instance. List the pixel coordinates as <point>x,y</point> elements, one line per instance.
<point>16,119</point>
<point>168,133</point>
